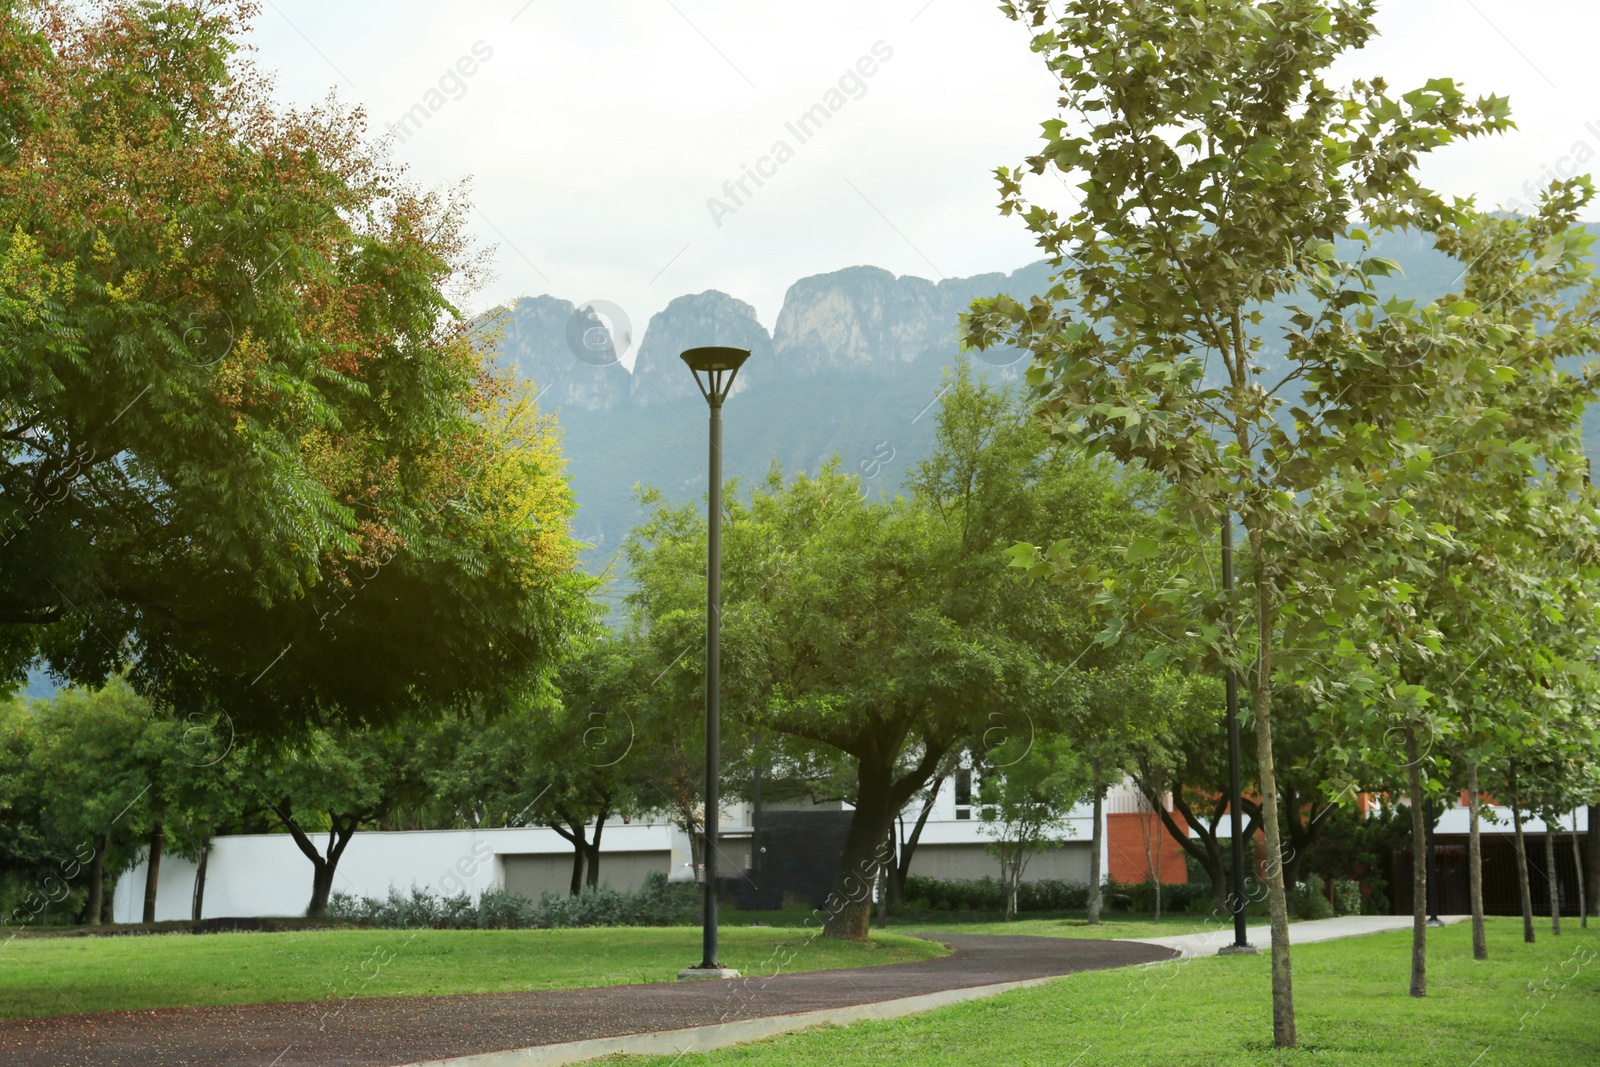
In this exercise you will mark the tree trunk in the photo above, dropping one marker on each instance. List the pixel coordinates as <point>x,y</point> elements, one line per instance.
<point>152,874</point>
<point>577,837</point>
<point>1552,878</point>
<point>850,904</point>
<point>1577,868</point>
<point>97,881</point>
<point>1283,1022</point>
<point>902,868</point>
<point>1206,853</point>
<point>1594,859</point>
<point>885,879</point>
<point>1097,840</point>
<point>321,889</point>
<point>576,887</point>
<point>592,849</point>
<point>1419,868</point>
<point>196,912</point>
<point>1010,874</point>
<point>1480,940</point>
<point>341,828</point>
<point>1524,889</point>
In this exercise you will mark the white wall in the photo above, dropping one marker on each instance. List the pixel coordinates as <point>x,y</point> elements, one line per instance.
<point>265,874</point>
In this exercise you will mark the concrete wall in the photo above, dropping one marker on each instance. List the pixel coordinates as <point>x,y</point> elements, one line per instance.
<point>265,874</point>
<point>534,874</point>
<point>1067,862</point>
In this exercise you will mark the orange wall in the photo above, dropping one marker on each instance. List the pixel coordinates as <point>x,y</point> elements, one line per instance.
<point>1126,845</point>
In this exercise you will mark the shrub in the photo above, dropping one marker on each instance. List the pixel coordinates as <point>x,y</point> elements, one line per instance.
<point>1347,896</point>
<point>1308,899</point>
<point>986,894</point>
<point>1141,896</point>
<point>657,903</point>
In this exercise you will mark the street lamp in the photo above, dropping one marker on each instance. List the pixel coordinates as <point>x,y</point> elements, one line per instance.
<point>1241,940</point>
<point>1433,866</point>
<point>714,370</point>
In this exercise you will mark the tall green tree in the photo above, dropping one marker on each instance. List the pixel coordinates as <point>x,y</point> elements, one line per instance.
<point>251,447</point>
<point>1219,167</point>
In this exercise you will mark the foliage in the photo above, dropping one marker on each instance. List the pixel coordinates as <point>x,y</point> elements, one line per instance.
<point>1347,897</point>
<point>657,903</point>
<point>1308,899</point>
<point>987,894</point>
<point>241,413</point>
<point>1025,806</point>
<point>1220,168</point>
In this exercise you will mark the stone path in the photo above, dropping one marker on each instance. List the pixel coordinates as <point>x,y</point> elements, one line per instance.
<point>1302,933</point>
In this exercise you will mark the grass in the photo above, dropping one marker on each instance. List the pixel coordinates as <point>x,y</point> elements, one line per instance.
<point>1048,924</point>
<point>56,976</point>
<point>1527,1006</point>
<point>1112,924</point>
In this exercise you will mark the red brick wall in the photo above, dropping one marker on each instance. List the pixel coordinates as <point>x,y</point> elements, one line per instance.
<point>1130,840</point>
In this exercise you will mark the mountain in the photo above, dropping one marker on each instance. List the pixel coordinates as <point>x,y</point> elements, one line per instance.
<point>851,368</point>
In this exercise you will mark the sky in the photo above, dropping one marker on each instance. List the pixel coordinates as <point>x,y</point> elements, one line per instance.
<point>597,133</point>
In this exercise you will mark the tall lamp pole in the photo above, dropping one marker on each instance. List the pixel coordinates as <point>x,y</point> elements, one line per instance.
<point>1433,866</point>
<point>1241,940</point>
<point>714,370</point>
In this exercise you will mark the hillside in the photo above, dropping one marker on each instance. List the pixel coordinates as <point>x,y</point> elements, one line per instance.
<point>850,368</point>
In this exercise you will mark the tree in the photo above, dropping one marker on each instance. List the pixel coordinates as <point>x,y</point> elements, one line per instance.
<point>1219,167</point>
<point>243,415</point>
<point>1025,806</point>
<point>335,781</point>
<point>1479,523</point>
<point>108,766</point>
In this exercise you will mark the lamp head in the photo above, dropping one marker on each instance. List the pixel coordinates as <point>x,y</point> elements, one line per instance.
<point>714,369</point>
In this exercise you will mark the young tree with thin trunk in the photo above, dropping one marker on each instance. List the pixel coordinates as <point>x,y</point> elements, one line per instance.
<point>1552,872</point>
<point>1219,168</point>
<point>1524,890</point>
<point>1480,938</point>
<point>1577,867</point>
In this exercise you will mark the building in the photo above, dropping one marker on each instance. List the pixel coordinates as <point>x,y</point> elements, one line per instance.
<point>266,875</point>
<point>252,875</point>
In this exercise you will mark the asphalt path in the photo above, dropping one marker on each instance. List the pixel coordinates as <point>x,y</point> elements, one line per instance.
<point>388,1031</point>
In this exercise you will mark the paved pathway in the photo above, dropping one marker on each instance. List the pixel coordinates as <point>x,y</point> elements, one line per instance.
<point>385,1031</point>
<point>1303,933</point>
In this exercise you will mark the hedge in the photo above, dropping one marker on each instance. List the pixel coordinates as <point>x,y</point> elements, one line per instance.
<point>658,903</point>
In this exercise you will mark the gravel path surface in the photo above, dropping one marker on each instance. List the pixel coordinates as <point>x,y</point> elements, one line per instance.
<point>388,1031</point>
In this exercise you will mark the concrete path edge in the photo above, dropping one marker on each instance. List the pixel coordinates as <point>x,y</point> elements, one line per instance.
<point>722,1035</point>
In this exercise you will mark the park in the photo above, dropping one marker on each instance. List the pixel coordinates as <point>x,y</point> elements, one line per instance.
<point>1170,637</point>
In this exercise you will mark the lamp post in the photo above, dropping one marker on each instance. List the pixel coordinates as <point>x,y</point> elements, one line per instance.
<point>714,370</point>
<point>1241,940</point>
<point>1433,866</point>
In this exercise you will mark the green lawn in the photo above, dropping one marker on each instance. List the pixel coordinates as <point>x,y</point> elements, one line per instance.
<point>54,976</point>
<point>1052,924</point>
<point>1527,1006</point>
<point>1112,924</point>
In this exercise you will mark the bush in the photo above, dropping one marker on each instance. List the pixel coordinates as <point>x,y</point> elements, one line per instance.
<point>1052,895</point>
<point>1141,896</point>
<point>1309,900</point>
<point>987,894</point>
<point>657,903</point>
<point>1347,896</point>
<point>984,894</point>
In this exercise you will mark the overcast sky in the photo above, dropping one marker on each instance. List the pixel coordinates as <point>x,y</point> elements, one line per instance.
<point>595,131</point>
